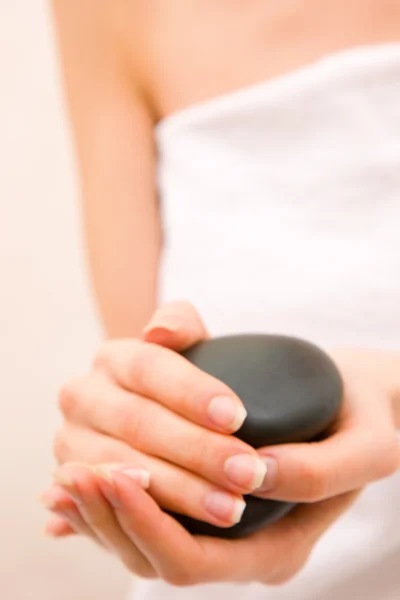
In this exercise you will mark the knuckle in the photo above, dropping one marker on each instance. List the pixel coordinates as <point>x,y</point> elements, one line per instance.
<point>132,427</point>
<point>111,454</point>
<point>112,351</point>
<point>199,452</point>
<point>142,362</point>
<point>70,394</point>
<point>314,482</point>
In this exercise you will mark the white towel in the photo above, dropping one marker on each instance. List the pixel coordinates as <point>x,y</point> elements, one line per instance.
<point>281,207</point>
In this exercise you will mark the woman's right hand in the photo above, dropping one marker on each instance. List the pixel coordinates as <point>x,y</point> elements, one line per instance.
<point>144,405</point>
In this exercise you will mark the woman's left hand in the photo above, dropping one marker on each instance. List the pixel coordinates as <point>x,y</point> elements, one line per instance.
<point>325,476</point>
<point>116,511</point>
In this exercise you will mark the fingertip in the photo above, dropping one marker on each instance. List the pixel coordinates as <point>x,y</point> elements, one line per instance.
<point>226,413</point>
<point>132,495</point>
<point>78,480</point>
<point>141,510</point>
<point>57,527</point>
<point>108,481</point>
<point>160,335</point>
<point>54,498</point>
<point>176,325</point>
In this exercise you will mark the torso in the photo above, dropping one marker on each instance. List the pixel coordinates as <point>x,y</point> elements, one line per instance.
<point>248,240</point>
<point>280,204</point>
<point>186,52</point>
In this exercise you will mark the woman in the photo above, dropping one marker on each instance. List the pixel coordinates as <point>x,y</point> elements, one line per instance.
<point>245,157</point>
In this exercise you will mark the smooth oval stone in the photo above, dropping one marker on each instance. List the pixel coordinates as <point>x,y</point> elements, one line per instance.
<point>292,392</point>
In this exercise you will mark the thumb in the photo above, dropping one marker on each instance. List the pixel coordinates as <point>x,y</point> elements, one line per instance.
<point>175,325</point>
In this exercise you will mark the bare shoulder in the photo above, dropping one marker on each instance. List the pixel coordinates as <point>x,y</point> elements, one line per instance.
<point>185,51</point>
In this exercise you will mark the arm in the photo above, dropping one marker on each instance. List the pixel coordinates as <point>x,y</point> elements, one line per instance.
<point>112,130</point>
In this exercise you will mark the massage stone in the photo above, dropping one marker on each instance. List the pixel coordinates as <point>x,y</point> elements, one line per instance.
<point>292,392</point>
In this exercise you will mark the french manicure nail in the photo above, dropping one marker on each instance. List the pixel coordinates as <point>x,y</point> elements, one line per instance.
<point>107,485</point>
<point>69,485</point>
<point>270,477</point>
<point>140,476</point>
<point>227,413</point>
<point>225,507</point>
<point>63,478</point>
<point>167,324</point>
<point>245,471</point>
<point>47,500</point>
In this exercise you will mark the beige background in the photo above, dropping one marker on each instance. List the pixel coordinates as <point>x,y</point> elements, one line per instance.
<point>47,328</point>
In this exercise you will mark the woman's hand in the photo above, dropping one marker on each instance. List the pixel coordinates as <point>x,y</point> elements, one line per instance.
<point>145,405</point>
<point>327,475</point>
<point>363,446</point>
<point>112,507</point>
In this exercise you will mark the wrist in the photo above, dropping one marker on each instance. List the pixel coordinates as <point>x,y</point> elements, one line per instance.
<point>380,366</point>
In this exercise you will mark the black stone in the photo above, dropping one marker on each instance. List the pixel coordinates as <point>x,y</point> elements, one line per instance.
<point>292,392</point>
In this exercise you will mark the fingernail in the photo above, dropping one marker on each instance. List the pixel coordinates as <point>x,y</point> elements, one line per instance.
<point>269,481</point>
<point>63,478</point>
<point>245,470</point>
<point>47,500</point>
<point>168,324</point>
<point>69,485</point>
<point>140,476</point>
<point>225,507</point>
<point>107,485</point>
<point>226,413</point>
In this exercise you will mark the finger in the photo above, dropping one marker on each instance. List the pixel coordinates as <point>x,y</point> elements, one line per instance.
<point>173,488</point>
<point>175,325</point>
<point>277,553</point>
<point>155,430</point>
<point>82,484</point>
<point>271,555</point>
<point>58,527</point>
<point>364,449</point>
<point>178,557</point>
<point>57,501</point>
<point>173,382</point>
<point>175,555</point>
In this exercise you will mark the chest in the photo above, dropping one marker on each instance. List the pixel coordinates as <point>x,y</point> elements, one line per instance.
<point>193,51</point>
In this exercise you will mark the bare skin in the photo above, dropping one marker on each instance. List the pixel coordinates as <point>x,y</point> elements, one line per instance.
<point>127,66</point>
<point>197,50</point>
